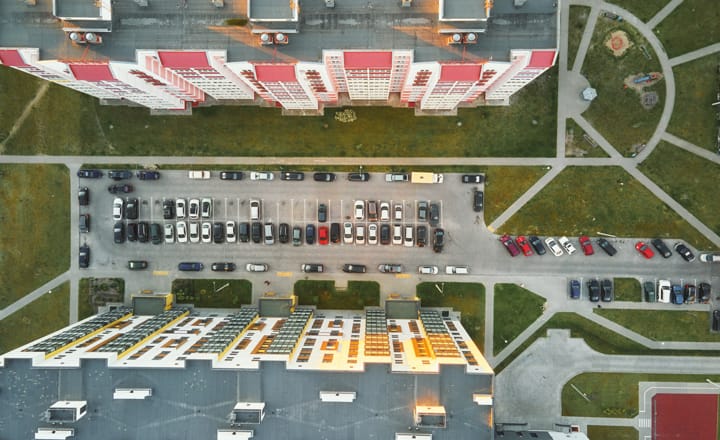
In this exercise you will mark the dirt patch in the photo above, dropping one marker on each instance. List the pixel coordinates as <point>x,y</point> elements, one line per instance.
<point>618,43</point>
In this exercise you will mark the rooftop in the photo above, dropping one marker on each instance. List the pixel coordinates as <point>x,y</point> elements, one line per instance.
<point>352,24</point>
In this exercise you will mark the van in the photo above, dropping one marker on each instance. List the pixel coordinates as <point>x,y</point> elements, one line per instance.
<point>409,242</point>
<point>187,266</point>
<point>457,270</point>
<point>372,211</point>
<point>254,210</point>
<point>269,233</point>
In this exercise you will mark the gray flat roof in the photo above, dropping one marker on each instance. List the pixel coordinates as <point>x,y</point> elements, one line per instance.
<point>77,8</point>
<point>197,401</point>
<point>352,24</point>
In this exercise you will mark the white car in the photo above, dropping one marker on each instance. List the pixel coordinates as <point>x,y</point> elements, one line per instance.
<point>384,212</point>
<point>199,175</point>
<point>194,232</point>
<point>347,233</point>
<point>359,210</point>
<point>709,258</point>
<point>427,270</point>
<point>397,234</point>
<point>255,213</point>
<point>663,291</point>
<point>180,208</point>
<point>206,232</point>
<point>398,213</point>
<point>409,240</point>
<point>169,233</point>
<point>181,231</point>
<point>256,267</point>
<point>565,242</point>
<point>118,205</point>
<point>261,175</point>
<point>457,270</point>
<point>230,232</point>
<point>372,233</point>
<point>206,208</point>
<point>554,246</point>
<point>194,209</point>
<point>359,234</point>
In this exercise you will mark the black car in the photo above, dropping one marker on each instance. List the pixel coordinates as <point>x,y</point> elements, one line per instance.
<point>84,223</point>
<point>649,290</point>
<point>143,232</point>
<point>478,199</point>
<point>473,178</point>
<point>438,240</point>
<point>421,239</point>
<point>704,293</point>
<point>324,177</point>
<point>661,247</point>
<point>90,174</point>
<point>148,175</point>
<point>434,214</point>
<point>575,289</point>
<point>684,252</point>
<point>358,177</point>
<point>231,175</point>
<point>335,232</point>
<point>607,290</point>
<point>716,320</point>
<point>310,234</point>
<point>117,188</point>
<point>120,174</point>
<point>606,246</point>
<point>168,209</point>
<point>243,232</point>
<point>354,268</point>
<point>137,264</point>
<point>422,207</point>
<point>322,213</point>
<point>385,233</point>
<point>256,232</point>
<point>119,232</point>
<point>156,233</point>
<point>284,233</point>
<point>131,208</point>
<point>594,290</point>
<point>218,232</point>
<point>132,231</point>
<point>223,267</point>
<point>537,244</point>
<point>292,175</point>
<point>192,266</point>
<point>84,196</point>
<point>84,257</point>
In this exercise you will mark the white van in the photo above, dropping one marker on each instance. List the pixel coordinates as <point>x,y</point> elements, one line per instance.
<point>255,210</point>
<point>204,175</point>
<point>663,291</point>
<point>269,233</point>
<point>457,270</point>
<point>409,241</point>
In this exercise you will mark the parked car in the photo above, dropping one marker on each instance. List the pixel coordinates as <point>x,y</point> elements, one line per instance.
<point>354,268</point>
<point>269,233</point>
<point>537,244</point>
<point>132,231</point>
<point>297,236</point>
<point>168,209</point>
<point>606,246</point>
<point>644,249</point>
<point>120,174</point>
<point>677,295</point>
<point>372,233</point>
<point>156,234</point>
<point>84,196</point>
<point>118,207</point>
<point>244,232</point>
<point>438,240</point>
<point>422,208</point>
<point>707,257</point>
<point>428,270</point>
<point>421,239</point>
<point>397,177</point>
<point>398,212</point>
<point>359,209</point>
<point>231,175</point>
<point>89,174</point>
<point>131,208</point>
<point>223,267</point>
<point>716,320</point>
<point>181,231</point>
<point>384,212</point>
<point>567,245</point>
<point>649,291</point>
<point>663,291</point>
<point>478,200</point>
<point>606,288</point>
<point>143,232</point>
<point>594,290</point>
<point>261,175</point>
<point>255,210</point>
<point>284,233</point>
<point>397,234</point>
<point>554,246</point>
<point>205,232</point>
<point>586,245</point>
<point>704,293</point>
<point>84,256</point>
<point>310,234</point>
<point>524,245</point>
<point>472,178</point>
<point>120,188</point>
<point>119,233</point>
<point>661,247</point>
<point>199,174</point>
<point>690,294</point>
<point>190,266</point>
<point>408,238</point>
<point>84,223</point>
<point>169,233</point>
<point>372,213</point>
<point>358,177</point>
<point>457,270</point>
<point>292,175</point>
<point>194,209</point>
<point>322,213</point>
<point>230,236</point>
<point>324,177</point>
<point>137,264</point>
<point>384,233</point>
<point>312,268</point>
<point>684,252</point>
<point>510,245</point>
<point>218,232</point>
<point>575,289</point>
<point>335,232</point>
<point>434,215</point>
<point>390,268</point>
<point>348,233</point>
<point>206,208</point>
<point>256,267</point>
<point>180,207</point>
<point>148,175</point>
<point>323,235</point>
<point>194,234</point>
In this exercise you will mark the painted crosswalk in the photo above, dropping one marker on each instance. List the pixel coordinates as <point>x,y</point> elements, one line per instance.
<point>644,423</point>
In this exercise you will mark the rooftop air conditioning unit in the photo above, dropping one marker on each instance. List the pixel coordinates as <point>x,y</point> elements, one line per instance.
<point>93,38</point>
<point>266,39</point>
<point>281,38</point>
<point>470,38</point>
<point>77,37</point>
<point>406,3</point>
<point>455,39</point>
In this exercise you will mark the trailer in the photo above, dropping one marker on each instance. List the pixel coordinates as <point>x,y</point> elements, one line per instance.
<point>419,177</point>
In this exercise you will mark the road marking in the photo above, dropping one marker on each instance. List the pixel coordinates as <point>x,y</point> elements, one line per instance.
<point>644,423</point>
<point>491,229</point>
<point>402,275</point>
<point>161,273</point>
<point>284,274</point>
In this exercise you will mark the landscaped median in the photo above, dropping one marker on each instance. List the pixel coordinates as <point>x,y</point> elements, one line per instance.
<point>612,433</point>
<point>514,309</point>
<point>215,293</point>
<point>664,325</point>
<point>97,292</point>
<point>324,295</point>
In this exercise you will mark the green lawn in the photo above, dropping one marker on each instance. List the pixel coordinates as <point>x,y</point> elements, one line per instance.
<point>664,325</point>
<point>691,26</point>
<point>642,9</point>
<point>576,145</point>
<point>599,338</point>
<point>515,309</point>
<point>614,394</point>
<point>577,21</point>
<point>693,117</point>
<point>41,317</point>
<point>466,298</point>
<point>612,433</point>
<point>23,88</point>
<point>526,128</point>
<point>212,292</point>
<point>690,187</point>
<point>94,292</point>
<point>504,185</point>
<point>606,199</point>
<point>35,218</point>
<point>616,113</point>
<point>324,295</point>
<point>627,289</point>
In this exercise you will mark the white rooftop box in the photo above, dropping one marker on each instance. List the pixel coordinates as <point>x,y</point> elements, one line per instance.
<point>132,393</point>
<point>54,433</point>
<point>338,396</point>
<point>234,434</point>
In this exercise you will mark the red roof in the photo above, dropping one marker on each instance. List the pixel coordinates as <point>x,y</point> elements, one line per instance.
<point>11,57</point>
<point>275,72</point>
<point>460,72</point>
<point>368,60</point>
<point>183,60</point>
<point>542,58</point>
<point>92,72</point>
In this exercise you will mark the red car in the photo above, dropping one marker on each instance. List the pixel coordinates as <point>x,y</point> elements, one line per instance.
<point>510,245</point>
<point>644,249</point>
<point>323,235</point>
<point>524,245</point>
<point>586,245</point>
